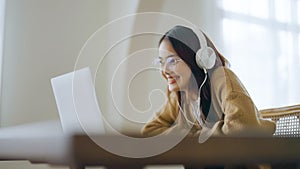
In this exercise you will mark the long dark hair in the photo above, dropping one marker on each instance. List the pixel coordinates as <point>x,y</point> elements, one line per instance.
<point>186,43</point>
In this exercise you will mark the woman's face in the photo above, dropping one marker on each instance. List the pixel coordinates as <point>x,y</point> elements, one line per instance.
<point>173,68</point>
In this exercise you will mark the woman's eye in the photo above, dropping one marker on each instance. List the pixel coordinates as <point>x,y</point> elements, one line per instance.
<point>171,60</point>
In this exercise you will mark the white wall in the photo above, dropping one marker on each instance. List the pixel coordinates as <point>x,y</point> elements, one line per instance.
<point>42,40</point>
<point>2,13</point>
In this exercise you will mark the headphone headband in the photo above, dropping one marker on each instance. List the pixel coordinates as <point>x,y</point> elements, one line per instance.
<point>201,37</point>
<point>205,56</point>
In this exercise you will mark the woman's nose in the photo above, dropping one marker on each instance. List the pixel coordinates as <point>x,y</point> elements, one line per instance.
<point>165,68</point>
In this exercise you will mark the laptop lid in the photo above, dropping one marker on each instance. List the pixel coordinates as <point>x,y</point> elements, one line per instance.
<point>77,103</point>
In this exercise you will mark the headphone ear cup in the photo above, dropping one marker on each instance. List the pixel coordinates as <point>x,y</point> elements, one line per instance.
<point>206,58</point>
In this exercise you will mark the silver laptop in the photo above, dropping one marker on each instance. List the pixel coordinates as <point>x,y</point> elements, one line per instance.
<point>77,103</point>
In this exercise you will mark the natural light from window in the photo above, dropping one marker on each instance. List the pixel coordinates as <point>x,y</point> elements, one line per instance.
<point>247,7</point>
<point>261,39</point>
<point>283,8</point>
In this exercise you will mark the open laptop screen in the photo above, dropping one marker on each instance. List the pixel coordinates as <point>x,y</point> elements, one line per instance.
<point>77,102</point>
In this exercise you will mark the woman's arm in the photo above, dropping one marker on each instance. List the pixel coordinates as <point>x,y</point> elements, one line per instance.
<point>166,120</point>
<point>240,112</point>
<point>162,122</point>
<point>241,117</point>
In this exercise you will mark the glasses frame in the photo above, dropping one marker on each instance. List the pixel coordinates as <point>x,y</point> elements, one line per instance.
<point>164,63</point>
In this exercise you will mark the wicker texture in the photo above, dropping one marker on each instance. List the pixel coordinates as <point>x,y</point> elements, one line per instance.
<point>287,120</point>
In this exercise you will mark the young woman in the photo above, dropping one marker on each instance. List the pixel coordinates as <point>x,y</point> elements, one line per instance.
<point>204,96</point>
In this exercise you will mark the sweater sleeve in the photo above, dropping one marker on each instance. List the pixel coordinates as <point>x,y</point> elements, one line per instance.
<point>165,123</point>
<point>240,115</point>
<point>165,120</point>
<point>162,122</point>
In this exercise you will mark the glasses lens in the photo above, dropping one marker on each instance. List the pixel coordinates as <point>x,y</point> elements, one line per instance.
<point>171,61</point>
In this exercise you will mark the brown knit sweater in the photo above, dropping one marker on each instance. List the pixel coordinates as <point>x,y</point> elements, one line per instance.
<point>230,102</point>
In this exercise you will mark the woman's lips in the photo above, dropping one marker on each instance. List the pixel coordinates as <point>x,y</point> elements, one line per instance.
<point>172,80</point>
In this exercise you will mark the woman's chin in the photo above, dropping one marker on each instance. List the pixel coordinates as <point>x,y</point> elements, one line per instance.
<point>173,88</point>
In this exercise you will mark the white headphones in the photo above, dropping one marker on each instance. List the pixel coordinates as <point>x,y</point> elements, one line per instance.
<point>205,56</point>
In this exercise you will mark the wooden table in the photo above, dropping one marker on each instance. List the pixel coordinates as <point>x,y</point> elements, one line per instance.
<point>216,151</point>
<point>79,151</point>
<point>45,143</point>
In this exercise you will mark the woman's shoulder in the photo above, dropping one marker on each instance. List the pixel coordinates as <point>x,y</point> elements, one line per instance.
<point>222,72</point>
<point>225,78</point>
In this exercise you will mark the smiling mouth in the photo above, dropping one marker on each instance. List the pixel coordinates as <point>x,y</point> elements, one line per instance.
<point>173,80</point>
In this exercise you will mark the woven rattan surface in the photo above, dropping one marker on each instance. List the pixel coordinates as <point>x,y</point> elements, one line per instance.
<point>287,120</point>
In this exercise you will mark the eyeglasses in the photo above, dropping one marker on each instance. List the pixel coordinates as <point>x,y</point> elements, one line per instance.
<point>169,63</point>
